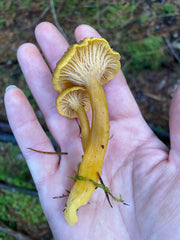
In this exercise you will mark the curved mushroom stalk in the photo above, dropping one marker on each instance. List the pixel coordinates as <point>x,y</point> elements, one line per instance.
<point>92,160</point>
<point>74,103</point>
<point>85,128</point>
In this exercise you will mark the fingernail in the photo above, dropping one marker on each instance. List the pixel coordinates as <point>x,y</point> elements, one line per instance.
<point>10,86</point>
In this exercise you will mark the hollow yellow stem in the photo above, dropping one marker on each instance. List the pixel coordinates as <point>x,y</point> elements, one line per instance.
<point>93,158</point>
<point>84,124</point>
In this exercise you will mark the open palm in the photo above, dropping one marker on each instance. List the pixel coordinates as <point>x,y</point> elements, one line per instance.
<point>137,164</point>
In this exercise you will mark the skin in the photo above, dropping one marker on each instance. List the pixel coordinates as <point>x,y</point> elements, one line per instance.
<point>137,164</point>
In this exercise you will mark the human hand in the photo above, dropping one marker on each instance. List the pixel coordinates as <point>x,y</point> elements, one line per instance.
<point>137,164</point>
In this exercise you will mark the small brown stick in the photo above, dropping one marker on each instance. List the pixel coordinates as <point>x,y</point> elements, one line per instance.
<point>111,136</point>
<point>56,153</point>
<point>56,19</point>
<point>107,196</point>
<point>62,196</point>
<point>171,49</point>
<point>14,234</point>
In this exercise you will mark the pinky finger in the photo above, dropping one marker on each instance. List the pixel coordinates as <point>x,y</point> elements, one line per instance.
<point>29,134</point>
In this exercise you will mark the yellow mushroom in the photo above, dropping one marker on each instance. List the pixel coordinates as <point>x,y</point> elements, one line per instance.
<point>90,64</point>
<point>74,103</point>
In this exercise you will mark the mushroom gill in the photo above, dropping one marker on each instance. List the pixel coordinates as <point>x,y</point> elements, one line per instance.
<point>74,103</point>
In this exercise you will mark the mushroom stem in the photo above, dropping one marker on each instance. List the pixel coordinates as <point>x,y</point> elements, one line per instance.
<point>84,123</point>
<point>93,158</point>
<point>74,102</point>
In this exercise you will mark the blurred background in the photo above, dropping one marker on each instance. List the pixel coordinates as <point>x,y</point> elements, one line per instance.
<point>147,35</point>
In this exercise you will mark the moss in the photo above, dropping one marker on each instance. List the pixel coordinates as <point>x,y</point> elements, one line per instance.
<point>169,9</point>
<point>19,211</point>
<point>20,206</point>
<point>2,5</point>
<point>2,22</point>
<point>4,236</point>
<point>118,14</point>
<point>13,168</point>
<point>146,54</point>
<point>143,20</point>
<point>83,10</point>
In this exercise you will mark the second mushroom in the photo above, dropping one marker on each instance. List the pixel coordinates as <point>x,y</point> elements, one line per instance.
<point>74,103</point>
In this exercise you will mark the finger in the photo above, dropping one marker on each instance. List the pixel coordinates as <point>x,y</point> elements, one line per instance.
<point>39,80</point>
<point>121,103</point>
<point>29,133</point>
<point>51,42</point>
<point>38,77</point>
<point>85,31</point>
<point>174,123</point>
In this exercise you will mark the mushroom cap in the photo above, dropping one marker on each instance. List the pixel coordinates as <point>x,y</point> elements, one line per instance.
<point>90,58</point>
<point>70,99</point>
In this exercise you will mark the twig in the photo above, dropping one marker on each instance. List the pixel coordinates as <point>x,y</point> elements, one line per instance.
<point>106,194</point>
<point>16,235</point>
<point>100,12</point>
<point>154,96</point>
<point>7,137</point>
<point>56,20</point>
<point>54,153</point>
<point>171,49</point>
<point>4,126</point>
<point>62,196</point>
<point>35,22</point>
<point>41,15</point>
<point>18,189</point>
<point>98,16</point>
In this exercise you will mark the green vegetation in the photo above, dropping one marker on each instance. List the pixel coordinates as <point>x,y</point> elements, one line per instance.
<point>18,210</point>
<point>169,9</point>
<point>147,54</point>
<point>24,206</point>
<point>119,14</point>
<point>143,19</point>
<point>13,168</point>
<point>4,236</point>
<point>2,5</point>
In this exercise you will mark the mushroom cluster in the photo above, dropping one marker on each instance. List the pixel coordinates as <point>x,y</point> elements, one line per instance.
<point>82,71</point>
